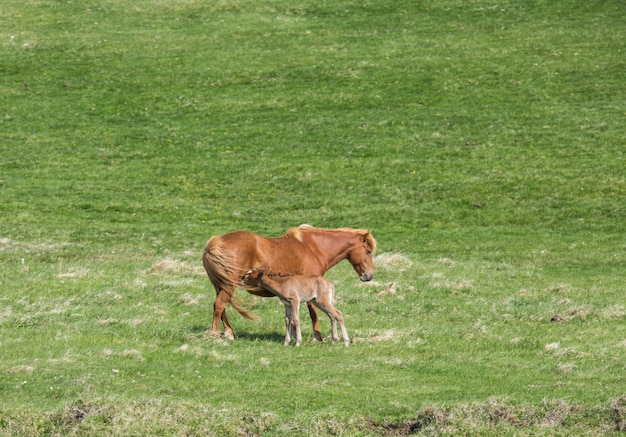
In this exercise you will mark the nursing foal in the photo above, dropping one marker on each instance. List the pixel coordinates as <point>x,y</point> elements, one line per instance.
<point>291,291</point>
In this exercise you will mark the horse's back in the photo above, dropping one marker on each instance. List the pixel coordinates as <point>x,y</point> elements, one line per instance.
<point>235,238</point>
<point>233,243</point>
<point>232,250</point>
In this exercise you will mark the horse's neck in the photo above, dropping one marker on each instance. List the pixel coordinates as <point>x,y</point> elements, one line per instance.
<point>332,246</point>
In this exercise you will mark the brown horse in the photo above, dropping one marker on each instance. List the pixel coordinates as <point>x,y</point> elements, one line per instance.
<point>304,250</point>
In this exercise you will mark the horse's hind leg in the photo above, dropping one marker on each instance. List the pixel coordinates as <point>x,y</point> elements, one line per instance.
<point>219,314</point>
<point>229,333</point>
<point>315,320</point>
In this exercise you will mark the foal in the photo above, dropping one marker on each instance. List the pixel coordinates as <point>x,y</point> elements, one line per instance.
<point>295,289</point>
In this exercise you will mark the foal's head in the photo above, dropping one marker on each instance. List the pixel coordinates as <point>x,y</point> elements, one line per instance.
<point>360,256</point>
<point>252,277</point>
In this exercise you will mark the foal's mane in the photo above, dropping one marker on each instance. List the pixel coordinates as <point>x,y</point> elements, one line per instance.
<point>297,233</point>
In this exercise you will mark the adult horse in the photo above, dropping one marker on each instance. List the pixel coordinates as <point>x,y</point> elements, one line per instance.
<point>304,250</point>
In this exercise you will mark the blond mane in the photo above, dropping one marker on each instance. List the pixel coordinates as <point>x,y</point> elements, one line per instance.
<point>297,233</point>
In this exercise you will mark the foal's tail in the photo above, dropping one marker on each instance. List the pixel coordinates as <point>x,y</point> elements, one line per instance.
<point>222,273</point>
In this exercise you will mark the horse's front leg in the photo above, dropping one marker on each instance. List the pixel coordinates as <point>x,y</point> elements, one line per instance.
<point>315,320</point>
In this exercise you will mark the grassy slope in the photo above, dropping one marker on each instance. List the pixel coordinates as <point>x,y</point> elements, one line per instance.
<point>130,134</point>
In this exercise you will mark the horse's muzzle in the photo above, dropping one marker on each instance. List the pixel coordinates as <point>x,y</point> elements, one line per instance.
<point>365,277</point>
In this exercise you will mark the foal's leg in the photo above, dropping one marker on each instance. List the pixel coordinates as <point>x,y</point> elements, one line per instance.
<point>288,313</point>
<point>324,303</point>
<point>315,320</point>
<point>333,325</point>
<point>344,332</point>
<point>295,318</point>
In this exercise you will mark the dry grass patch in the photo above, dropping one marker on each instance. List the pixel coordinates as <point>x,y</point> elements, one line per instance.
<point>61,361</point>
<point>28,247</point>
<point>5,313</point>
<point>169,265</point>
<point>453,284</point>
<point>447,261</point>
<point>215,357</point>
<point>189,299</point>
<point>136,322</point>
<point>195,351</point>
<point>497,416</point>
<point>154,417</point>
<point>390,335</point>
<point>579,312</point>
<point>585,312</point>
<point>128,353</point>
<point>107,322</point>
<point>139,283</point>
<point>392,261</point>
<point>617,408</point>
<point>551,347</point>
<point>22,369</point>
<point>392,288</point>
<point>77,273</point>
<point>387,288</point>
<point>566,367</point>
<point>160,417</point>
<point>614,311</point>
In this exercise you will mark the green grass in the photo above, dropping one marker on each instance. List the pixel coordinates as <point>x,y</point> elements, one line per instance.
<point>482,143</point>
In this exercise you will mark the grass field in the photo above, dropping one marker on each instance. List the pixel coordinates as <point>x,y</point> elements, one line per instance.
<point>482,142</point>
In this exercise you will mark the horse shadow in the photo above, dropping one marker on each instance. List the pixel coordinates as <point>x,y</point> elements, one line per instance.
<point>273,337</point>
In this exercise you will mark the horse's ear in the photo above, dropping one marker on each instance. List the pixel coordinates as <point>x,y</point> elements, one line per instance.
<point>365,236</point>
<point>368,239</point>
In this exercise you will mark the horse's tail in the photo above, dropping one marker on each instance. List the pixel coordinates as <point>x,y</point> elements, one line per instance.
<point>222,273</point>
<point>244,312</point>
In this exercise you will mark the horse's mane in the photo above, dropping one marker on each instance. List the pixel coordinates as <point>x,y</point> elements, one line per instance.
<point>297,233</point>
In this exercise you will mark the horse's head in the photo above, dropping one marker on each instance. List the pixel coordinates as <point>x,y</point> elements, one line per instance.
<point>360,256</point>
